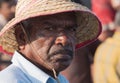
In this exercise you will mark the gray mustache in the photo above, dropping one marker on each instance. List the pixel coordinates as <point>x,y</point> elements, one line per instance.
<point>62,51</point>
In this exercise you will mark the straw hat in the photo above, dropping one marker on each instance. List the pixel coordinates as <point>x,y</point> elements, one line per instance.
<point>88,23</point>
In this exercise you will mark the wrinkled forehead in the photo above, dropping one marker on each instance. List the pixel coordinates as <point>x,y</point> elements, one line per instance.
<point>55,19</point>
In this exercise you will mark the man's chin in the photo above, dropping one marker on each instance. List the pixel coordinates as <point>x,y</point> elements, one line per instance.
<point>61,61</point>
<point>61,65</point>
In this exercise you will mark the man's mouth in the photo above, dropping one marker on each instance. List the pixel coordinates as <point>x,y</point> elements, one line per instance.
<point>63,58</point>
<point>63,52</point>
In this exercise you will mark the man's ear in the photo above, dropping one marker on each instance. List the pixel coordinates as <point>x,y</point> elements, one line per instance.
<point>20,36</point>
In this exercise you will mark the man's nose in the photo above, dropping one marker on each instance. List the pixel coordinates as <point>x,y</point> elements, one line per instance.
<point>62,39</point>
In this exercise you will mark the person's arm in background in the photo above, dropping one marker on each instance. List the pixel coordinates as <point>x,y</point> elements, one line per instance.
<point>110,70</point>
<point>105,64</point>
<point>115,4</point>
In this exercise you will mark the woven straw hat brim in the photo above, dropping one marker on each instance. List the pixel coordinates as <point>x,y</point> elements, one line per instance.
<point>89,24</point>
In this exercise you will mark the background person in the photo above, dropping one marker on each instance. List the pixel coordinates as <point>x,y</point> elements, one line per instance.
<point>107,58</point>
<point>7,12</point>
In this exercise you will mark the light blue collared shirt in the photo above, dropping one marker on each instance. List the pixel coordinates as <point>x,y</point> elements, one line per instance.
<point>23,71</point>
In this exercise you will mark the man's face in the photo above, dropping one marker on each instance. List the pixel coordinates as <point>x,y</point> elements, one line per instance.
<point>53,40</point>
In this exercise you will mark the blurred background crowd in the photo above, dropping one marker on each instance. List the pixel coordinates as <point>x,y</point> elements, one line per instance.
<point>98,62</point>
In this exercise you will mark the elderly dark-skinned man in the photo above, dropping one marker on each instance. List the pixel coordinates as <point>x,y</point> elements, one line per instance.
<point>44,35</point>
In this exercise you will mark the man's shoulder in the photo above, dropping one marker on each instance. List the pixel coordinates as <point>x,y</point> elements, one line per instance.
<point>12,74</point>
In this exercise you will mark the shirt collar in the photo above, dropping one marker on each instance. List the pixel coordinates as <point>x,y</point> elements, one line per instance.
<point>29,68</point>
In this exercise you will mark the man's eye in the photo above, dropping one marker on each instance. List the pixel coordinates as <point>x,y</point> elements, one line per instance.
<point>49,28</point>
<point>73,29</point>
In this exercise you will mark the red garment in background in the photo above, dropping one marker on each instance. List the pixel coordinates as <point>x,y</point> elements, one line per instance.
<point>104,10</point>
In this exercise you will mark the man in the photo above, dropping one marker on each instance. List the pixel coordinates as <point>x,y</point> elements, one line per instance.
<point>5,11</point>
<point>107,58</point>
<point>44,34</point>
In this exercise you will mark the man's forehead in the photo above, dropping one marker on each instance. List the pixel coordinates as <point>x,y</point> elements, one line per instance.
<point>67,18</point>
